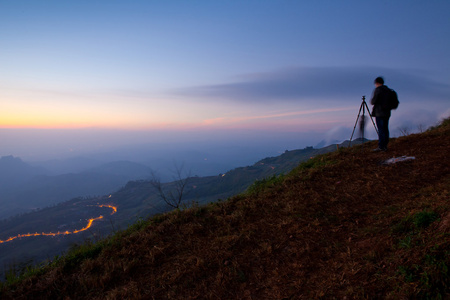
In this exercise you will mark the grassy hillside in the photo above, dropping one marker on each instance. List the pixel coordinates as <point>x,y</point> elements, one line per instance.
<point>339,225</point>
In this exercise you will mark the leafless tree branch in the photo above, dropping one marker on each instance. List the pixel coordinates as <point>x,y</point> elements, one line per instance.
<point>172,193</point>
<point>404,130</point>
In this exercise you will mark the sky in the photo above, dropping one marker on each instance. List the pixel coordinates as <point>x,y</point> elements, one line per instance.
<point>83,76</point>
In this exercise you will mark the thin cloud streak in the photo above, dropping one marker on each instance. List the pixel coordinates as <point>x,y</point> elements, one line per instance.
<point>324,83</point>
<point>222,120</point>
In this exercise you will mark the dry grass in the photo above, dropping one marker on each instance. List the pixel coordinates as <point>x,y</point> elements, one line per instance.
<point>339,226</point>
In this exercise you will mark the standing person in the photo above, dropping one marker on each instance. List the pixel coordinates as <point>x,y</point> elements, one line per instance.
<point>382,112</point>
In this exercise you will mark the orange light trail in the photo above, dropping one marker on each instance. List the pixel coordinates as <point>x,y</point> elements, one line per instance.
<point>89,224</point>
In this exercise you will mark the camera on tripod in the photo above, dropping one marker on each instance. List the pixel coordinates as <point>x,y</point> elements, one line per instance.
<point>362,119</point>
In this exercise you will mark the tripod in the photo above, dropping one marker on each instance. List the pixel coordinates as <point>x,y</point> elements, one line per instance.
<point>363,107</point>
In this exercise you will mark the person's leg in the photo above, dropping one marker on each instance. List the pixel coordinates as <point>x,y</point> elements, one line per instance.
<point>383,132</point>
<point>386,135</point>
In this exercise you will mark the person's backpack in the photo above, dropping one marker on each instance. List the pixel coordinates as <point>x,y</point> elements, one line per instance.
<point>393,99</point>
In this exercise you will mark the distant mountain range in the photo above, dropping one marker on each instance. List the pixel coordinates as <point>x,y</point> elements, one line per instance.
<point>14,172</point>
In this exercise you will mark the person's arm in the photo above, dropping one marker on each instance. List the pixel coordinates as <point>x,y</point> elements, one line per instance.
<point>375,97</point>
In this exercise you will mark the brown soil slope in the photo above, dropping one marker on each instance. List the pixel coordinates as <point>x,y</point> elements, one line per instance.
<point>339,226</point>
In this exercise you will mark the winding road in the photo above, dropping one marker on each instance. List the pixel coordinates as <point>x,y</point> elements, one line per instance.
<point>89,224</point>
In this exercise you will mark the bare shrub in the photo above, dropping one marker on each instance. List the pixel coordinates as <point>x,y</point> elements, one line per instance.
<point>404,131</point>
<point>172,193</point>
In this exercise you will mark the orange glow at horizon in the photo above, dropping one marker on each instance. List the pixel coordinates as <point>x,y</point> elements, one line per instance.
<point>47,123</point>
<point>50,113</point>
<point>281,120</point>
<point>26,123</point>
<point>89,225</point>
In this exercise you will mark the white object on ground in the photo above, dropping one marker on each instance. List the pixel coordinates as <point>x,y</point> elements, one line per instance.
<point>398,159</point>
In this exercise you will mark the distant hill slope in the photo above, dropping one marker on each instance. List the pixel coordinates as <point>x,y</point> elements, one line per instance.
<point>339,226</point>
<point>13,171</point>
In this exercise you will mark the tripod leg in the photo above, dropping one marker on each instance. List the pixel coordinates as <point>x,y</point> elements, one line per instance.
<point>376,129</point>
<point>357,118</point>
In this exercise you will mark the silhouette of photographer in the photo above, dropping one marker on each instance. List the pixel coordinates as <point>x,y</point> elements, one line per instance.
<point>382,112</point>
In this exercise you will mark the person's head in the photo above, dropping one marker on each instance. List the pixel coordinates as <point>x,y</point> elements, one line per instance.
<point>379,81</point>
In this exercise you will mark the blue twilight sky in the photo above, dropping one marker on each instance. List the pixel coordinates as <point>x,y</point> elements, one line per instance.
<point>81,75</point>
